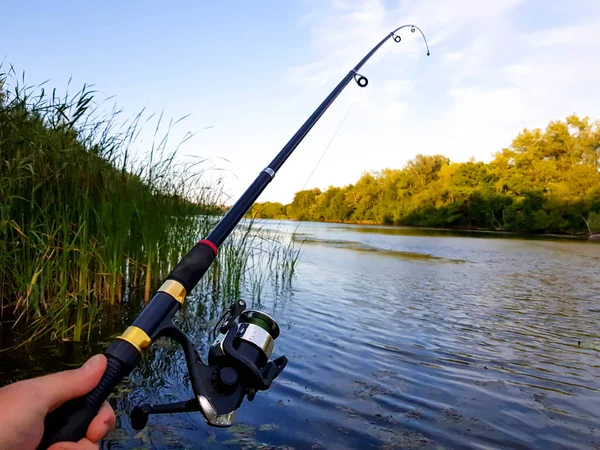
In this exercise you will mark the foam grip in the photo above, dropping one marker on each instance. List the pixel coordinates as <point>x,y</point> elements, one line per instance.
<point>193,265</point>
<point>70,421</point>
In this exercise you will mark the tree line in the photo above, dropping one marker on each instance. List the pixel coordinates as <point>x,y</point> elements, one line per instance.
<point>547,181</point>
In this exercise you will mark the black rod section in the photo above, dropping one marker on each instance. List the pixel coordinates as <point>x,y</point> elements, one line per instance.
<point>237,211</point>
<point>372,52</point>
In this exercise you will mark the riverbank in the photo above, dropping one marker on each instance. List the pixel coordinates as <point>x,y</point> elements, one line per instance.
<point>579,237</point>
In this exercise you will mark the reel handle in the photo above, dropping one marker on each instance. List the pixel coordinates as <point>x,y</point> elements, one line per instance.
<point>139,414</point>
<point>70,421</point>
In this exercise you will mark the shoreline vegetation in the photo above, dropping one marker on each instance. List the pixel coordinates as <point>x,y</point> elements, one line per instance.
<point>579,236</point>
<point>546,183</point>
<point>87,217</point>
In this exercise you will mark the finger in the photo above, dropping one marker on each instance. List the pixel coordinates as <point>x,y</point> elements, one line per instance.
<point>83,444</point>
<point>53,390</point>
<point>102,424</point>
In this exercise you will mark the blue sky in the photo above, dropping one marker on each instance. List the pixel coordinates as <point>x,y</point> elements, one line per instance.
<point>254,71</point>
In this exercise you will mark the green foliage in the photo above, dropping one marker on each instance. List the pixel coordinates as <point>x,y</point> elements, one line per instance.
<point>304,206</point>
<point>546,181</point>
<point>270,210</point>
<point>81,223</point>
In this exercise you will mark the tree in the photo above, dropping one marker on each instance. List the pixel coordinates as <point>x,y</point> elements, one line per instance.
<point>545,181</point>
<point>304,205</point>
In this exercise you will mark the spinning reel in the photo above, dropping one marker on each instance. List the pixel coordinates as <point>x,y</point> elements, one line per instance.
<point>238,366</point>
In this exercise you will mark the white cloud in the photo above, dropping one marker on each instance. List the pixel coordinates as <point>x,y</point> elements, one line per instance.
<point>517,70</point>
<point>398,86</point>
<point>580,36</point>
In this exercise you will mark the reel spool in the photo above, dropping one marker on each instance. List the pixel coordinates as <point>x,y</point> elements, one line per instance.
<point>238,366</point>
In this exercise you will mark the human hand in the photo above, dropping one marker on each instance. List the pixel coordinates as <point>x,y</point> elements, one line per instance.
<point>24,406</point>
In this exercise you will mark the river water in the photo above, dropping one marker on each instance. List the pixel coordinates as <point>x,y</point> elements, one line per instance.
<point>399,338</point>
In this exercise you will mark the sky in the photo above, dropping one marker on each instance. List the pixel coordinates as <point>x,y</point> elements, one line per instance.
<point>247,74</point>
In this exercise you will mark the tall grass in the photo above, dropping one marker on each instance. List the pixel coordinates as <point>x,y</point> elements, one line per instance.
<point>83,222</point>
<point>253,256</point>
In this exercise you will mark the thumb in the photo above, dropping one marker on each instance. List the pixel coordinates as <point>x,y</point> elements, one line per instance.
<point>55,389</point>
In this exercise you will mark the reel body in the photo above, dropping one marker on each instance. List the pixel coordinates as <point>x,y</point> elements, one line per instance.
<point>238,366</point>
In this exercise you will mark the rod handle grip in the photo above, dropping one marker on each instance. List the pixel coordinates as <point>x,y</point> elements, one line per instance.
<point>70,421</point>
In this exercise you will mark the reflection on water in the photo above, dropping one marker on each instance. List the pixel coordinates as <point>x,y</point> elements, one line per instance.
<point>360,247</point>
<point>497,351</point>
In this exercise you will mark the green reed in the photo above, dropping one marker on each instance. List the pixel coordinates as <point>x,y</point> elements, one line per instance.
<point>83,222</point>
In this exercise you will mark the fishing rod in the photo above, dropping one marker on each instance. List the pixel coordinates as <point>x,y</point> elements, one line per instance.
<point>238,362</point>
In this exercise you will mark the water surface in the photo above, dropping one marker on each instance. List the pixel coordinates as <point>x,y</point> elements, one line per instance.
<point>396,339</point>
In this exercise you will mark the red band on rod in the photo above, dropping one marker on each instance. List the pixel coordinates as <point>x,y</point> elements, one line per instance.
<point>210,244</point>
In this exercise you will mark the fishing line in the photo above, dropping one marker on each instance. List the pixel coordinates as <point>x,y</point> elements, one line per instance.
<point>328,145</point>
<point>322,156</point>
